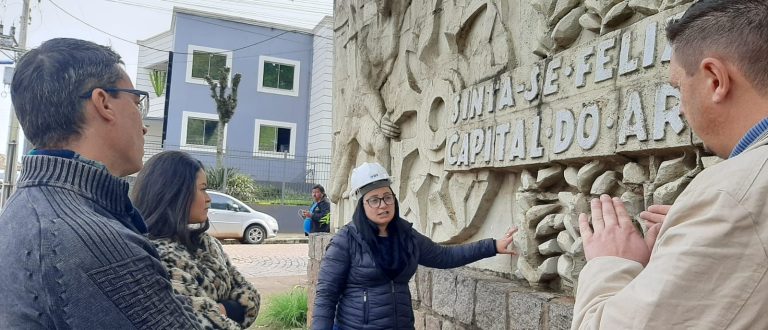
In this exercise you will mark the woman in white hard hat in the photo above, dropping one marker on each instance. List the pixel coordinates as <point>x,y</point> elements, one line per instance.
<point>364,275</point>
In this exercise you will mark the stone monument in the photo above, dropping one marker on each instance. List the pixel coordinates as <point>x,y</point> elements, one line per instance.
<point>495,113</point>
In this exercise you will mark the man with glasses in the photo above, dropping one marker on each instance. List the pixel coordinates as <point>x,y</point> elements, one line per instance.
<point>70,239</point>
<point>142,96</point>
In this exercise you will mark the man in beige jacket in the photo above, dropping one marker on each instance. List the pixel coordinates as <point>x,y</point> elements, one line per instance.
<point>708,269</point>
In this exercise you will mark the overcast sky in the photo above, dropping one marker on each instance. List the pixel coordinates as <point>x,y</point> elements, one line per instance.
<point>120,23</point>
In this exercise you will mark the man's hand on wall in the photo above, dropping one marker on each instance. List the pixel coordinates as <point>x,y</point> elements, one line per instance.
<point>613,234</point>
<point>655,214</point>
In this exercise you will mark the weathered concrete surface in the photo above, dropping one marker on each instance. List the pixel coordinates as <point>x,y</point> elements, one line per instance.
<point>496,113</point>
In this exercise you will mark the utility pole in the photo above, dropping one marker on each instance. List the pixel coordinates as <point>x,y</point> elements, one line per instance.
<point>13,133</point>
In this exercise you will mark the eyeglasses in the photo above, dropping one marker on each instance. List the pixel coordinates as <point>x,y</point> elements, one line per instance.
<point>376,201</point>
<point>142,104</point>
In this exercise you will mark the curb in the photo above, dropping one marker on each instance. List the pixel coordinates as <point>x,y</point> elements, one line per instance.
<point>276,240</point>
<point>286,241</point>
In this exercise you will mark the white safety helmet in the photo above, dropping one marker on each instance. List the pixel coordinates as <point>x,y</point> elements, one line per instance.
<point>366,174</point>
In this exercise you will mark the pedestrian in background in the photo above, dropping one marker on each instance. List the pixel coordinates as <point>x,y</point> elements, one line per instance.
<point>72,245</point>
<point>703,265</point>
<point>364,275</point>
<point>319,214</point>
<point>171,194</point>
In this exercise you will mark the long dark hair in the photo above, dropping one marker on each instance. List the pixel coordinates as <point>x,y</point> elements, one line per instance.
<point>398,230</point>
<point>164,192</point>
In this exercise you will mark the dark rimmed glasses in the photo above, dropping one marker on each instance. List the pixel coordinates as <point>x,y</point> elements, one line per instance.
<point>143,104</point>
<point>375,202</point>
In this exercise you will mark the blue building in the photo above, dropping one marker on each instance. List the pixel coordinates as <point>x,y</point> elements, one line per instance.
<point>267,137</point>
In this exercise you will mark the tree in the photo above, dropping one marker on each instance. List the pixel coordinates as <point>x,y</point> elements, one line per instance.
<point>225,107</point>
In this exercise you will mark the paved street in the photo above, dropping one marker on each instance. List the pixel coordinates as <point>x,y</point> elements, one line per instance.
<point>265,260</point>
<point>272,268</point>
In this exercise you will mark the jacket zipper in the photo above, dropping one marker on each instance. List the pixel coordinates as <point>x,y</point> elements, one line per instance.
<point>394,303</point>
<point>365,306</point>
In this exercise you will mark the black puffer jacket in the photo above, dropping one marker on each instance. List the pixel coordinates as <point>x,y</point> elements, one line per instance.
<point>356,293</point>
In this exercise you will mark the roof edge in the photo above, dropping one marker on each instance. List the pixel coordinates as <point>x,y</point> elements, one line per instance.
<point>225,17</point>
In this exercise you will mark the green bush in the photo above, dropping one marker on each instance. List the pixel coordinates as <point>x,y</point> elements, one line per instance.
<point>244,188</point>
<point>215,176</point>
<point>266,192</point>
<point>239,185</point>
<point>287,310</point>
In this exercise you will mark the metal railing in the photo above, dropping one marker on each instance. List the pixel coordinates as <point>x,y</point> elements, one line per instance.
<point>282,179</point>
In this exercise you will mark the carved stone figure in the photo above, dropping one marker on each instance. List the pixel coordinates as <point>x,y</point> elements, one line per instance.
<point>371,37</point>
<point>491,113</point>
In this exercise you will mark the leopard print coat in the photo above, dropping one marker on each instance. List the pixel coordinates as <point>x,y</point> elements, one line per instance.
<point>207,277</point>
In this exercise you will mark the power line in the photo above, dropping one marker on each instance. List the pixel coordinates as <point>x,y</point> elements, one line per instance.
<point>208,22</point>
<point>253,44</point>
<point>251,56</point>
<point>6,55</point>
<point>93,27</point>
<point>162,50</point>
<point>220,53</point>
<point>253,32</point>
<point>222,10</point>
<point>267,4</point>
<point>310,10</point>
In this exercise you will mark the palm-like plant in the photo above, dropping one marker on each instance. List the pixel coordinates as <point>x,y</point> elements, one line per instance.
<point>225,107</point>
<point>158,79</point>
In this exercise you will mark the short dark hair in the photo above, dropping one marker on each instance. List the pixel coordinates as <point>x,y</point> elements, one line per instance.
<point>320,188</point>
<point>48,82</point>
<point>738,29</point>
<point>164,192</point>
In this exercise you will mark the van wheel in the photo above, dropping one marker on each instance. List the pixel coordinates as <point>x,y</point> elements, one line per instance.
<point>254,234</point>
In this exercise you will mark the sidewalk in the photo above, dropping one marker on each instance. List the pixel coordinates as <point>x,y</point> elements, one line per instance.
<point>288,238</point>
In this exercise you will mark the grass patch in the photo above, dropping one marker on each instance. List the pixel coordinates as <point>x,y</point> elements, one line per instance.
<point>285,311</point>
<point>278,201</point>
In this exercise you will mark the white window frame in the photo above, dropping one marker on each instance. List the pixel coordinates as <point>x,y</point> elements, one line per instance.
<point>296,75</point>
<point>185,116</point>
<point>274,154</point>
<point>192,48</point>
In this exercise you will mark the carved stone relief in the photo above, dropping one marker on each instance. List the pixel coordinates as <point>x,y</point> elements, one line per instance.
<point>369,35</point>
<point>550,199</point>
<point>568,20</point>
<point>450,97</point>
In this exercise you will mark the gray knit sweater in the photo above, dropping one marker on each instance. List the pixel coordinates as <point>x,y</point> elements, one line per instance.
<point>74,258</point>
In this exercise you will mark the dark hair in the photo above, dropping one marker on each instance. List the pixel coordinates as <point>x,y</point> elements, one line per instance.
<point>48,82</point>
<point>164,192</point>
<point>319,187</point>
<point>398,229</point>
<point>738,29</point>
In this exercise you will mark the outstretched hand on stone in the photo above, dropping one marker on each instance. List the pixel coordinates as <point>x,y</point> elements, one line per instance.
<point>613,234</point>
<point>655,214</point>
<point>505,245</point>
<point>654,217</point>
